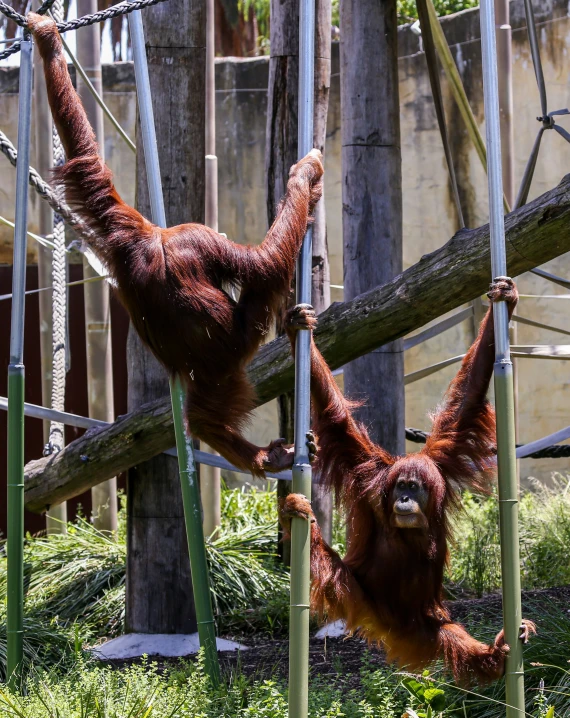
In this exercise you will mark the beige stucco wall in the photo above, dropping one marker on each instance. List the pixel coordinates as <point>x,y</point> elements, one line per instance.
<point>429,217</point>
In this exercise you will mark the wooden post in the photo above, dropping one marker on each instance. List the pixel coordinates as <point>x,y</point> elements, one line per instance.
<point>280,155</point>
<point>159,588</point>
<point>56,518</point>
<point>321,500</point>
<point>372,199</point>
<point>96,294</point>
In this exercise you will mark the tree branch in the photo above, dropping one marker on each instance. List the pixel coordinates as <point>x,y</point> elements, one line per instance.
<point>441,281</point>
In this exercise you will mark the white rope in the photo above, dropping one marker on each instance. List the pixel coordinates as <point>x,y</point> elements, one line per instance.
<point>59,301</point>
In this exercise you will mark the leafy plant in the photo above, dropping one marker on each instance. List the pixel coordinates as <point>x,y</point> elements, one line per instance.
<point>544,539</point>
<point>425,695</point>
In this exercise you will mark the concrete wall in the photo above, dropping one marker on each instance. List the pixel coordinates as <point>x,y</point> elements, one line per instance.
<point>429,216</point>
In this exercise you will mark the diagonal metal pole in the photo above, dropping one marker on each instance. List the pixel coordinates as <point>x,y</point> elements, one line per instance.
<point>16,378</point>
<point>186,463</point>
<point>504,385</point>
<point>300,528</point>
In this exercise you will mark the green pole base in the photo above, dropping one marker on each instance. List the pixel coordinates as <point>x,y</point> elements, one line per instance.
<point>15,543</point>
<point>195,536</point>
<point>509,528</point>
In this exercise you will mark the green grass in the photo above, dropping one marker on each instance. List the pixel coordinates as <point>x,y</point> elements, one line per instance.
<point>475,567</point>
<point>75,595</point>
<point>142,691</point>
<point>75,583</point>
<point>87,690</point>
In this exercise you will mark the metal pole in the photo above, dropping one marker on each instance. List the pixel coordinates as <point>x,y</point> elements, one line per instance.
<point>210,476</point>
<point>503,36</point>
<point>300,528</point>
<point>504,394</point>
<point>186,464</point>
<point>15,548</point>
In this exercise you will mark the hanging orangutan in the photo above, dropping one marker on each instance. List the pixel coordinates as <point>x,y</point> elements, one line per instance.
<point>171,281</point>
<point>388,587</point>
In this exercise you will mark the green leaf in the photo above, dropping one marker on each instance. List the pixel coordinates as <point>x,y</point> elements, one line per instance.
<point>415,687</point>
<point>435,697</point>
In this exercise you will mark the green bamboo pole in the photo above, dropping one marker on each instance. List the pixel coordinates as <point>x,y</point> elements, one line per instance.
<point>457,89</point>
<point>16,379</point>
<point>186,463</point>
<point>195,535</point>
<point>509,532</point>
<point>15,547</point>
<point>300,528</point>
<point>503,374</point>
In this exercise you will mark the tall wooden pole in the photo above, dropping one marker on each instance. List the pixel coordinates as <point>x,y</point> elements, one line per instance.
<point>159,589</point>
<point>321,278</point>
<point>56,518</point>
<point>372,199</point>
<point>210,476</point>
<point>96,294</point>
<point>280,155</point>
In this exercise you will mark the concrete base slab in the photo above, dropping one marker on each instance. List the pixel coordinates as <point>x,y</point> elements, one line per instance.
<point>135,645</point>
<point>336,629</point>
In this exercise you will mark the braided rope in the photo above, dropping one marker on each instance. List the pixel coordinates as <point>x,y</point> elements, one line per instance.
<point>556,451</point>
<point>46,192</point>
<point>59,301</point>
<point>123,8</point>
<point>416,435</point>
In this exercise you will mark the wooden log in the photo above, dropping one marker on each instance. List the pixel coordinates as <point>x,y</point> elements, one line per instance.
<point>441,281</point>
<point>372,200</point>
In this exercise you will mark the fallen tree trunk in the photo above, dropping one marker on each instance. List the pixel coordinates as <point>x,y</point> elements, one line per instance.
<point>438,283</point>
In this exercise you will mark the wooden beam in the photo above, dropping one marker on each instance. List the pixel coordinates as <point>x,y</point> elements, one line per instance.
<point>372,200</point>
<point>441,281</point>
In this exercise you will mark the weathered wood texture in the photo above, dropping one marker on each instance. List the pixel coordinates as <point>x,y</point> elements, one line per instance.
<point>438,283</point>
<point>281,150</point>
<point>372,199</point>
<point>159,589</point>
<point>99,349</point>
<point>321,498</point>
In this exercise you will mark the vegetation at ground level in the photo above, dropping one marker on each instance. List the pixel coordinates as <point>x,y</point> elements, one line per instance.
<point>86,690</point>
<point>75,596</point>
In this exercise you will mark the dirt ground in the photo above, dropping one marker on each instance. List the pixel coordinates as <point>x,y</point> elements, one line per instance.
<point>342,658</point>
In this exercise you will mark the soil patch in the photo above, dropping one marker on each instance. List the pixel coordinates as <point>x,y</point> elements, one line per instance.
<point>342,658</point>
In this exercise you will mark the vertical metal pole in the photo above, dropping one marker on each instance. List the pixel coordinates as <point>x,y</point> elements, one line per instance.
<point>186,463</point>
<point>504,394</point>
<point>15,548</point>
<point>210,476</point>
<point>300,529</point>
<point>503,34</point>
